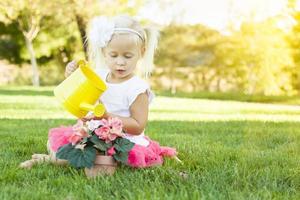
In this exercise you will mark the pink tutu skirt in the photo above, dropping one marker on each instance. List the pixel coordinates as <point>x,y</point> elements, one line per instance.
<point>138,157</point>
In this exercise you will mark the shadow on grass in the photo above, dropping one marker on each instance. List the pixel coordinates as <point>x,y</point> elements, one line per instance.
<point>26,92</point>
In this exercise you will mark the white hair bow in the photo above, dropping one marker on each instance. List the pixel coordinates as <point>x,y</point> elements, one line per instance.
<point>101,31</point>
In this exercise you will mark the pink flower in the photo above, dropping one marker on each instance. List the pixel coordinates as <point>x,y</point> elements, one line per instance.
<point>105,122</point>
<point>74,139</point>
<point>102,132</point>
<point>111,151</point>
<point>79,132</point>
<point>77,136</point>
<point>110,129</point>
<point>78,125</point>
<point>115,124</point>
<point>112,137</point>
<point>118,133</point>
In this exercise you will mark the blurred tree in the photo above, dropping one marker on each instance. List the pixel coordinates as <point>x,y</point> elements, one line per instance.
<point>11,42</point>
<point>51,28</point>
<point>256,59</point>
<point>294,40</point>
<point>29,16</point>
<point>272,74</point>
<point>185,46</point>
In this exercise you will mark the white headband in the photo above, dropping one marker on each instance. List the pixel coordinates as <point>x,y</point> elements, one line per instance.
<point>131,31</point>
<point>102,30</point>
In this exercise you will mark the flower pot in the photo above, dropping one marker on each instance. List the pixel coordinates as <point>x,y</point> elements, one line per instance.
<point>104,165</point>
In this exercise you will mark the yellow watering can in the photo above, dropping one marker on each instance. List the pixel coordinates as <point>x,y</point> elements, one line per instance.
<point>80,91</point>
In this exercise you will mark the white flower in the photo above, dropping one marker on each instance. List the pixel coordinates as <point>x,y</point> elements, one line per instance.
<point>101,31</point>
<point>80,146</point>
<point>93,124</point>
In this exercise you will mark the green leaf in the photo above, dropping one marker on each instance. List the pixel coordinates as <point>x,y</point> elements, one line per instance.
<point>108,145</point>
<point>82,158</point>
<point>94,139</point>
<point>99,144</point>
<point>100,147</point>
<point>64,151</point>
<point>90,132</point>
<point>77,158</point>
<point>123,145</point>
<point>84,140</point>
<point>121,157</point>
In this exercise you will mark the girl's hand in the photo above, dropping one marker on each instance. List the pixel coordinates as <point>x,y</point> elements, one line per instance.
<point>70,68</point>
<point>88,118</point>
<point>93,117</point>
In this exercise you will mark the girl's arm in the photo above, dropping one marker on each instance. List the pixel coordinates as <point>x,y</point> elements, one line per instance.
<point>136,123</point>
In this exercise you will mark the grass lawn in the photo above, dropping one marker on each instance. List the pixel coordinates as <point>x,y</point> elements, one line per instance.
<point>230,150</point>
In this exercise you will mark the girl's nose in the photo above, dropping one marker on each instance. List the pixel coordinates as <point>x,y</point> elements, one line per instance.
<point>120,61</point>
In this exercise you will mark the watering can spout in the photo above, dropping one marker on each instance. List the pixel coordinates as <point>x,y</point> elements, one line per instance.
<point>80,91</point>
<point>98,109</point>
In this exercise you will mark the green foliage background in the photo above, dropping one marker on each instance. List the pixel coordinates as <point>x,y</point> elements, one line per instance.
<point>257,58</point>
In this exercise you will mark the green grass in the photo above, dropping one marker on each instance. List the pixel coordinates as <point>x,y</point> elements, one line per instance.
<point>295,99</point>
<point>230,150</point>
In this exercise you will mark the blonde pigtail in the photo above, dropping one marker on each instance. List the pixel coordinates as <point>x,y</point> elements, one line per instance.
<point>146,63</point>
<point>95,56</point>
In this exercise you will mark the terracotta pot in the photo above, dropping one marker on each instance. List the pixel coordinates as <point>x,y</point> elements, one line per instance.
<point>104,165</point>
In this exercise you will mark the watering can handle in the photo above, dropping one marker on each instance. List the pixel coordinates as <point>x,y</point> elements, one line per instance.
<point>98,109</point>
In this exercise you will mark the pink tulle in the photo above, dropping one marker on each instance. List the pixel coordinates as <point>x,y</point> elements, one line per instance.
<point>152,155</point>
<point>138,157</point>
<point>59,137</point>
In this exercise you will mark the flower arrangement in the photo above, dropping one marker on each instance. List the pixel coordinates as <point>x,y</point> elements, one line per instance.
<point>104,137</point>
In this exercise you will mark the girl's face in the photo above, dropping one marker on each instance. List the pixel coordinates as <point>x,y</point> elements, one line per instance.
<point>121,56</point>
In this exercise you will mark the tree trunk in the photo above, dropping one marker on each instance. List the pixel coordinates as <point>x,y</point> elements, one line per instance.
<point>173,85</point>
<point>219,84</point>
<point>35,72</point>
<point>82,26</point>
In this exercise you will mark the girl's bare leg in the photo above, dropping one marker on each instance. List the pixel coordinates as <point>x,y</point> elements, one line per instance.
<point>43,158</point>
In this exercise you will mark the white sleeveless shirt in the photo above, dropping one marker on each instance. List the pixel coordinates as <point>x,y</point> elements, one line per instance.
<point>118,98</point>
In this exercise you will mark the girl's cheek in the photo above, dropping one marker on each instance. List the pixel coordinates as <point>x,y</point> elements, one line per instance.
<point>110,60</point>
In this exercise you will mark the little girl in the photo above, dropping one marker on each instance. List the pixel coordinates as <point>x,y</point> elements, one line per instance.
<point>124,47</point>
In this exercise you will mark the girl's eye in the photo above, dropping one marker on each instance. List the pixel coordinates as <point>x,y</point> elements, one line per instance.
<point>113,55</point>
<point>128,56</point>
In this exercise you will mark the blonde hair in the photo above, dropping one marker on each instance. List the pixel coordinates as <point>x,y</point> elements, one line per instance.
<point>148,37</point>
